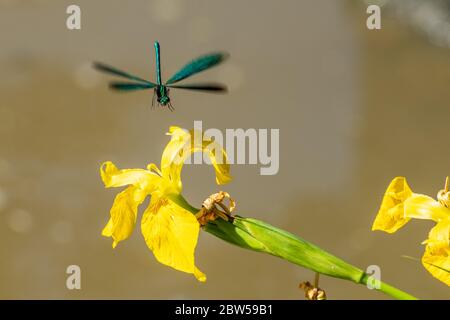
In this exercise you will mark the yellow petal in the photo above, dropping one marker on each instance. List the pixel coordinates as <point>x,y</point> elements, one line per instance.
<point>171,233</point>
<point>436,258</point>
<point>218,158</point>
<point>420,206</point>
<point>391,215</point>
<point>182,145</point>
<point>123,214</point>
<point>439,235</point>
<point>113,177</point>
<point>438,264</point>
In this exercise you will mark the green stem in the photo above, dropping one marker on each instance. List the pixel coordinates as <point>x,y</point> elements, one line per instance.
<point>387,289</point>
<point>182,202</point>
<point>258,236</point>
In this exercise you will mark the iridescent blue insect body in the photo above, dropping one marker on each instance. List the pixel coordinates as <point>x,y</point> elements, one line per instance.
<point>160,89</point>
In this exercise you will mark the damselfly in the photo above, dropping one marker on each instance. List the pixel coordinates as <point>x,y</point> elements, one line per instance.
<point>160,89</point>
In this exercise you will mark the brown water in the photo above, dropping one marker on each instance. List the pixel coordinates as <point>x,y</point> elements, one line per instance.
<point>355,108</point>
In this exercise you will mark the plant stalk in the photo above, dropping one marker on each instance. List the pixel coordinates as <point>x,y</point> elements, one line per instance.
<point>258,236</point>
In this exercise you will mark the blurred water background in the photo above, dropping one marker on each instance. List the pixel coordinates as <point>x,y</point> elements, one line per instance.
<point>355,108</point>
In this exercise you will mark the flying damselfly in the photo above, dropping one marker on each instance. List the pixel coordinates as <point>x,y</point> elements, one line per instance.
<point>160,89</point>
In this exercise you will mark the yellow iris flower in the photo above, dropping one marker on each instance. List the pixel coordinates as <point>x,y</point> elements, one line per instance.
<point>400,205</point>
<point>169,230</point>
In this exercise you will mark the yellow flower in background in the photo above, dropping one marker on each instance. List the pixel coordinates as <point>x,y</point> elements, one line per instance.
<point>170,231</point>
<point>400,205</point>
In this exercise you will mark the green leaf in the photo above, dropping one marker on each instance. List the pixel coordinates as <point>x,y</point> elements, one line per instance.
<point>258,236</point>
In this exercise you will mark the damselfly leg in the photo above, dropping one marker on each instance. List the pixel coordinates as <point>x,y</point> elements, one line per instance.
<point>153,99</point>
<point>170,106</point>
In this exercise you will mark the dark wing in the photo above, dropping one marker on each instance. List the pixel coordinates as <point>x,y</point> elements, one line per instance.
<point>198,65</point>
<point>211,87</point>
<point>111,70</point>
<point>130,86</point>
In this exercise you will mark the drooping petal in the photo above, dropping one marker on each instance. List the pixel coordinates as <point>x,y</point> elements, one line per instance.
<point>113,177</point>
<point>436,258</point>
<point>391,215</point>
<point>123,214</point>
<point>437,262</point>
<point>171,233</point>
<point>219,160</point>
<point>420,206</point>
<point>439,234</point>
<point>182,145</point>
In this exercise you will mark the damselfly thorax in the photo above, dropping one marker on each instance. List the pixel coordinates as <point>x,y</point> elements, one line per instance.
<point>161,93</point>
